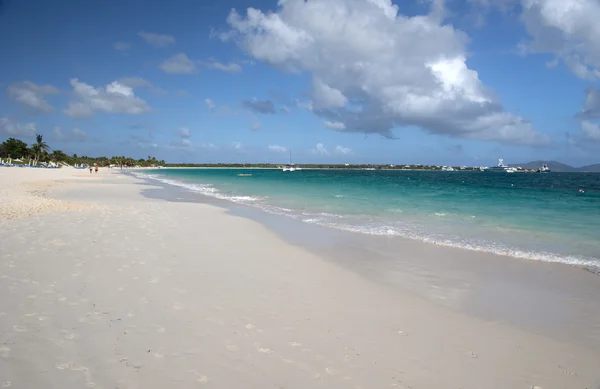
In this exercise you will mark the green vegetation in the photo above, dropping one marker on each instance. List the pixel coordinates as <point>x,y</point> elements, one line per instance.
<point>40,151</point>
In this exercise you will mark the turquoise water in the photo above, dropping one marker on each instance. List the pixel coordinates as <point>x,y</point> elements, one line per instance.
<point>533,216</point>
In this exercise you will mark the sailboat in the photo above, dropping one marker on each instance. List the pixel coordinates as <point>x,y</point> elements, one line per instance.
<point>289,167</point>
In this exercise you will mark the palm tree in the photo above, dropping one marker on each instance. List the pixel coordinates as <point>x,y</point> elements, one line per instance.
<point>39,147</point>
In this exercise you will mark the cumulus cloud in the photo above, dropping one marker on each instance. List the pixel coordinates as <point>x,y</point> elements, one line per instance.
<point>320,149</point>
<point>590,131</point>
<point>74,134</point>
<point>338,126</point>
<point>591,104</point>
<point>260,106</point>
<point>122,46</point>
<point>230,67</point>
<point>184,132</point>
<point>567,30</point>
<point>368,73</point>
<point>209,146</point>
<point>181,144</point>
<point>179,64</point>
<point>10,129</point>
<point>343,150</point>
<point>33,95</point>
<point>277,148</point>
<point>113,98</point>
<point>156,40</point>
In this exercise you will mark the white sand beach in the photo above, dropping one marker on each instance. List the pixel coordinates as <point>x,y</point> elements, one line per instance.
<point>101,287</point>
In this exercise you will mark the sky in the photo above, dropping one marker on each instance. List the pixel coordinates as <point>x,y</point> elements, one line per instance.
<point>334,81</point>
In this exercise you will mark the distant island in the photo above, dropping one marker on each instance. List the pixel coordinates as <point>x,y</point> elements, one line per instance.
<point>559,167</point>
<point>21,153</point>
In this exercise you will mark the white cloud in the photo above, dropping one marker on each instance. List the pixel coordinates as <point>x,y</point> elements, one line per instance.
<point>32,94</point>
<point>75,134</point>
<point>157,40</point>
<point>236,145</point>
<point>591,105</point>
<point>122,46</point>
<point>179,64</point>
<point>277,148</point>
<point>184,132</point>
<point>209,146</point>
<point>113,98</point>
<point>137,82</point>
<point>210,104</point>
<point>229,67</point>
<point>10,129</point>
<point>320,149</point>
<point>181,144</point>
<point>568,29</point>
<point>343,150</point>
<point>338,126</point>
<point>590,131</point>
<point>369,74</point>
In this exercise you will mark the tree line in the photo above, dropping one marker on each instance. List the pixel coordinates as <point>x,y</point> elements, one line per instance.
<point>40,151</point>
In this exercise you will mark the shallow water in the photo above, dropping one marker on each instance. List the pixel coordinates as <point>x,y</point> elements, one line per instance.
<point>532,216</point>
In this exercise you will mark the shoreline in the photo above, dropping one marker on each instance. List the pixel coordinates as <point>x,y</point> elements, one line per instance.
<point>137,291</point>
<point>461,279</point>
<point>521,252</point>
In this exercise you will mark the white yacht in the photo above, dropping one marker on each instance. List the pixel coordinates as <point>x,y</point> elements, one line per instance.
<point>447,168</point>
<point>544,169</point>
<point>501,167</point>
<point>289,167</point>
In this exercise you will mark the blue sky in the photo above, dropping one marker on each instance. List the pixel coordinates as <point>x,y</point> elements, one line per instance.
<point>443,82</point>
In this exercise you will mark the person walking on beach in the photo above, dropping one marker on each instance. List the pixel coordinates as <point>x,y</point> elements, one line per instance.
<point>96,168</point>
<point>90,170</point>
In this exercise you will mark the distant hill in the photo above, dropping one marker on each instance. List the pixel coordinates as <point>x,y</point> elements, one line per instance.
<point>558,166</point>
<point>595,168</point>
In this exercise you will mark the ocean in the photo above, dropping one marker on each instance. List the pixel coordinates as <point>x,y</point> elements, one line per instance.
<point>552,217</point>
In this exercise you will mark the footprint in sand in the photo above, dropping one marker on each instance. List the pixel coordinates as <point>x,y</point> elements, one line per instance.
<point>402,333</point>
<point>263,350</point>
<point>4,351</point>
<point>63,366</point>
<point>6,384</point>
<point>201,377</point>
<point>19,329</point>
<point>250,326</point>
<point>330,371</point>
<point>295,344</point>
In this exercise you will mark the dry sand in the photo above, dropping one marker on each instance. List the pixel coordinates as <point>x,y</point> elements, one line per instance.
<point>130,292</point>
